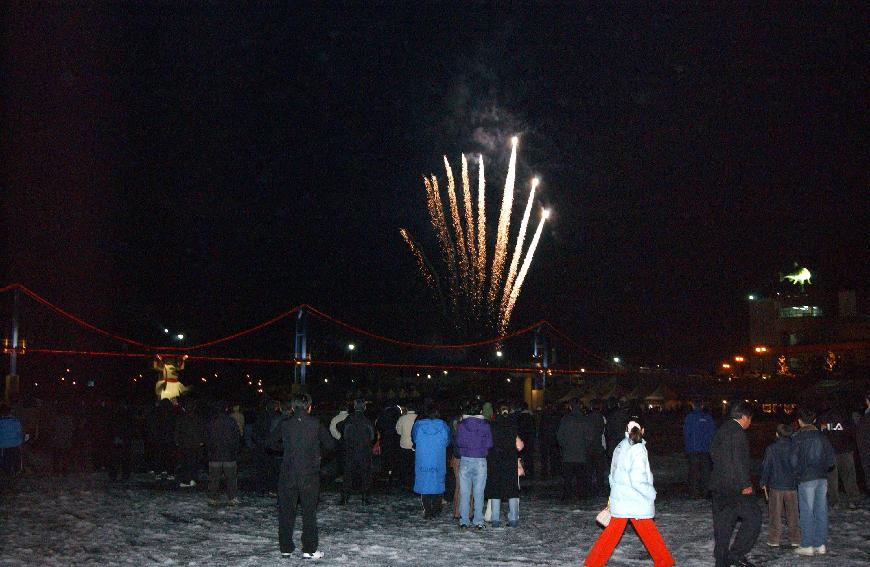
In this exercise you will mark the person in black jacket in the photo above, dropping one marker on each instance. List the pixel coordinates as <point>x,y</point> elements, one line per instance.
<point>189,436</point>
<point>573,437</point>
<point>502,482</point>
<point>835,424</point>
<point>357,436</point>
<point>779,483</point>
<point>222,442</point>
<point>731,486</point>
<point>812,456</point>
<point>862,438</point>
<point>303,439</point>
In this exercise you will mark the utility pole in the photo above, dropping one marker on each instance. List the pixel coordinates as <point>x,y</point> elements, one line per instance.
<point>300,349</point>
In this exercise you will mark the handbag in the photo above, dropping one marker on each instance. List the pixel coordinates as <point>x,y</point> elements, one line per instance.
<point>603,517</point>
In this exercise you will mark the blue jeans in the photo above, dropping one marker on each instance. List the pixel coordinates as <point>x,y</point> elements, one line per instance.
<point>813,505</point>
<point>472,480</point>
<point>513,511</point>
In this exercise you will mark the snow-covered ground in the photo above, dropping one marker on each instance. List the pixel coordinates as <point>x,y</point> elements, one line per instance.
<point>86,520</point>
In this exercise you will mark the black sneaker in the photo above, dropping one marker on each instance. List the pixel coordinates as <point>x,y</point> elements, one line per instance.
<point>463,527</point>
<point>745,562</point>
<point>479,527</point>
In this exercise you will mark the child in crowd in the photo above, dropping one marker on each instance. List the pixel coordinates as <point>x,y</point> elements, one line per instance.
<point>779,484</point>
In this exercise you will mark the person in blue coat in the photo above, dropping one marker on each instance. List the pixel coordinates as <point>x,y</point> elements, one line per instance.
<point>632,498</point>
<point>698,431</point>
<point>11,439</point>
<point>431,436</point>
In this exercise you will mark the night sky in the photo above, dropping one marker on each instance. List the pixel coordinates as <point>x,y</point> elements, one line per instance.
<point>204,168</point>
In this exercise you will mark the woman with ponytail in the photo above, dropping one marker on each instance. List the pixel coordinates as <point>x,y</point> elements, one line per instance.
<point>632,497</point>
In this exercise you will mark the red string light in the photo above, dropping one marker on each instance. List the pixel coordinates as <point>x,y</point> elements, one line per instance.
<point>316,362</point>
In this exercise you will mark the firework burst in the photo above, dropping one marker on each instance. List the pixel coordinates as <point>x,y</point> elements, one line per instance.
<point>474,307</point>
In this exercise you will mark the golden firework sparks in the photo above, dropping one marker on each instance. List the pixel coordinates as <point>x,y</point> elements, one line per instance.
<point>518,249</point>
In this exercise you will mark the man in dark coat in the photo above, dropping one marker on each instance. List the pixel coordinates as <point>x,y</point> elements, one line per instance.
<point>357,436</point>
<point>550,459</point>
<point>120,442</point>
<point>222,442</point>
<point>303,439</point>
<point>731,485</point>
<point>573,438</point>
<point>595,445</point>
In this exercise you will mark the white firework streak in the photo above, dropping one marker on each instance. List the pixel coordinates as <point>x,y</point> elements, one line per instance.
<point>515,292</point>
<point>481,228</point>
<point>501,240</point>
<point>518,249</point>
<point>458,234</point>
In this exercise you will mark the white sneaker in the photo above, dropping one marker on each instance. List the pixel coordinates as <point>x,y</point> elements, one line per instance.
<point>805,550</point>
<point>821,550</point>
<point>315,555</point>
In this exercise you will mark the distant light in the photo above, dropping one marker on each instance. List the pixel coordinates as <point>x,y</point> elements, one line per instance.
<point>351,346</point>
<point>326,380</point>
<point>751,297</point>
<point>180,336</point>
<point>215,374</point>
<point>726,365</point>
<point>616,359</point>
<point>725,402</point>
<point>36,383</point>
<point>498,353</point>
<point>418,375</point>
<point>166,331</point>
<point>67,369</point>
<point>739,358</point>
<point>445,373</point>
<point>508,380</point>
<point>74,382</point>
<point>582,370</point>
<point>428,376</point>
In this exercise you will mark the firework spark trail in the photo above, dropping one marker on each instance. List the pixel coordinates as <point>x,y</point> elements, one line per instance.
<point>436,213</point>
<point>515,292</point>
<point>458,234</point>
<point>421,261</point>
<point>518,249</point>
<point>481,228</point>
<point>469,218</point>
<point>502,234</point>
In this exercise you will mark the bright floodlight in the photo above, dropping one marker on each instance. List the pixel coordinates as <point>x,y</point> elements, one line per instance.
<point>351,346</point>
<point>166,331</point>
<point>180,336</point>
<point>751,297</point>
<point>498,353</point>
<point>616,359</point>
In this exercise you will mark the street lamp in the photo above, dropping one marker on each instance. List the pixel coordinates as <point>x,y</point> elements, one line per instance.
<point>351,347</point>
<point>499,353</point>
<point>616,360</point>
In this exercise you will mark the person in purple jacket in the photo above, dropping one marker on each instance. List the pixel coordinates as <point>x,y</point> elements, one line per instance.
<point>473,441</point>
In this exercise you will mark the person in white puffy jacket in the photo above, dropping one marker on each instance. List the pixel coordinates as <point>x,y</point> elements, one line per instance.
<point>632,498</point>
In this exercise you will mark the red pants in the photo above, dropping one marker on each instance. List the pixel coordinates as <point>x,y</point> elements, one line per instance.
<point>649,535</point>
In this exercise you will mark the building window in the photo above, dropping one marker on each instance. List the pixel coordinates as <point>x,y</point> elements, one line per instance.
<point>800,311</point>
